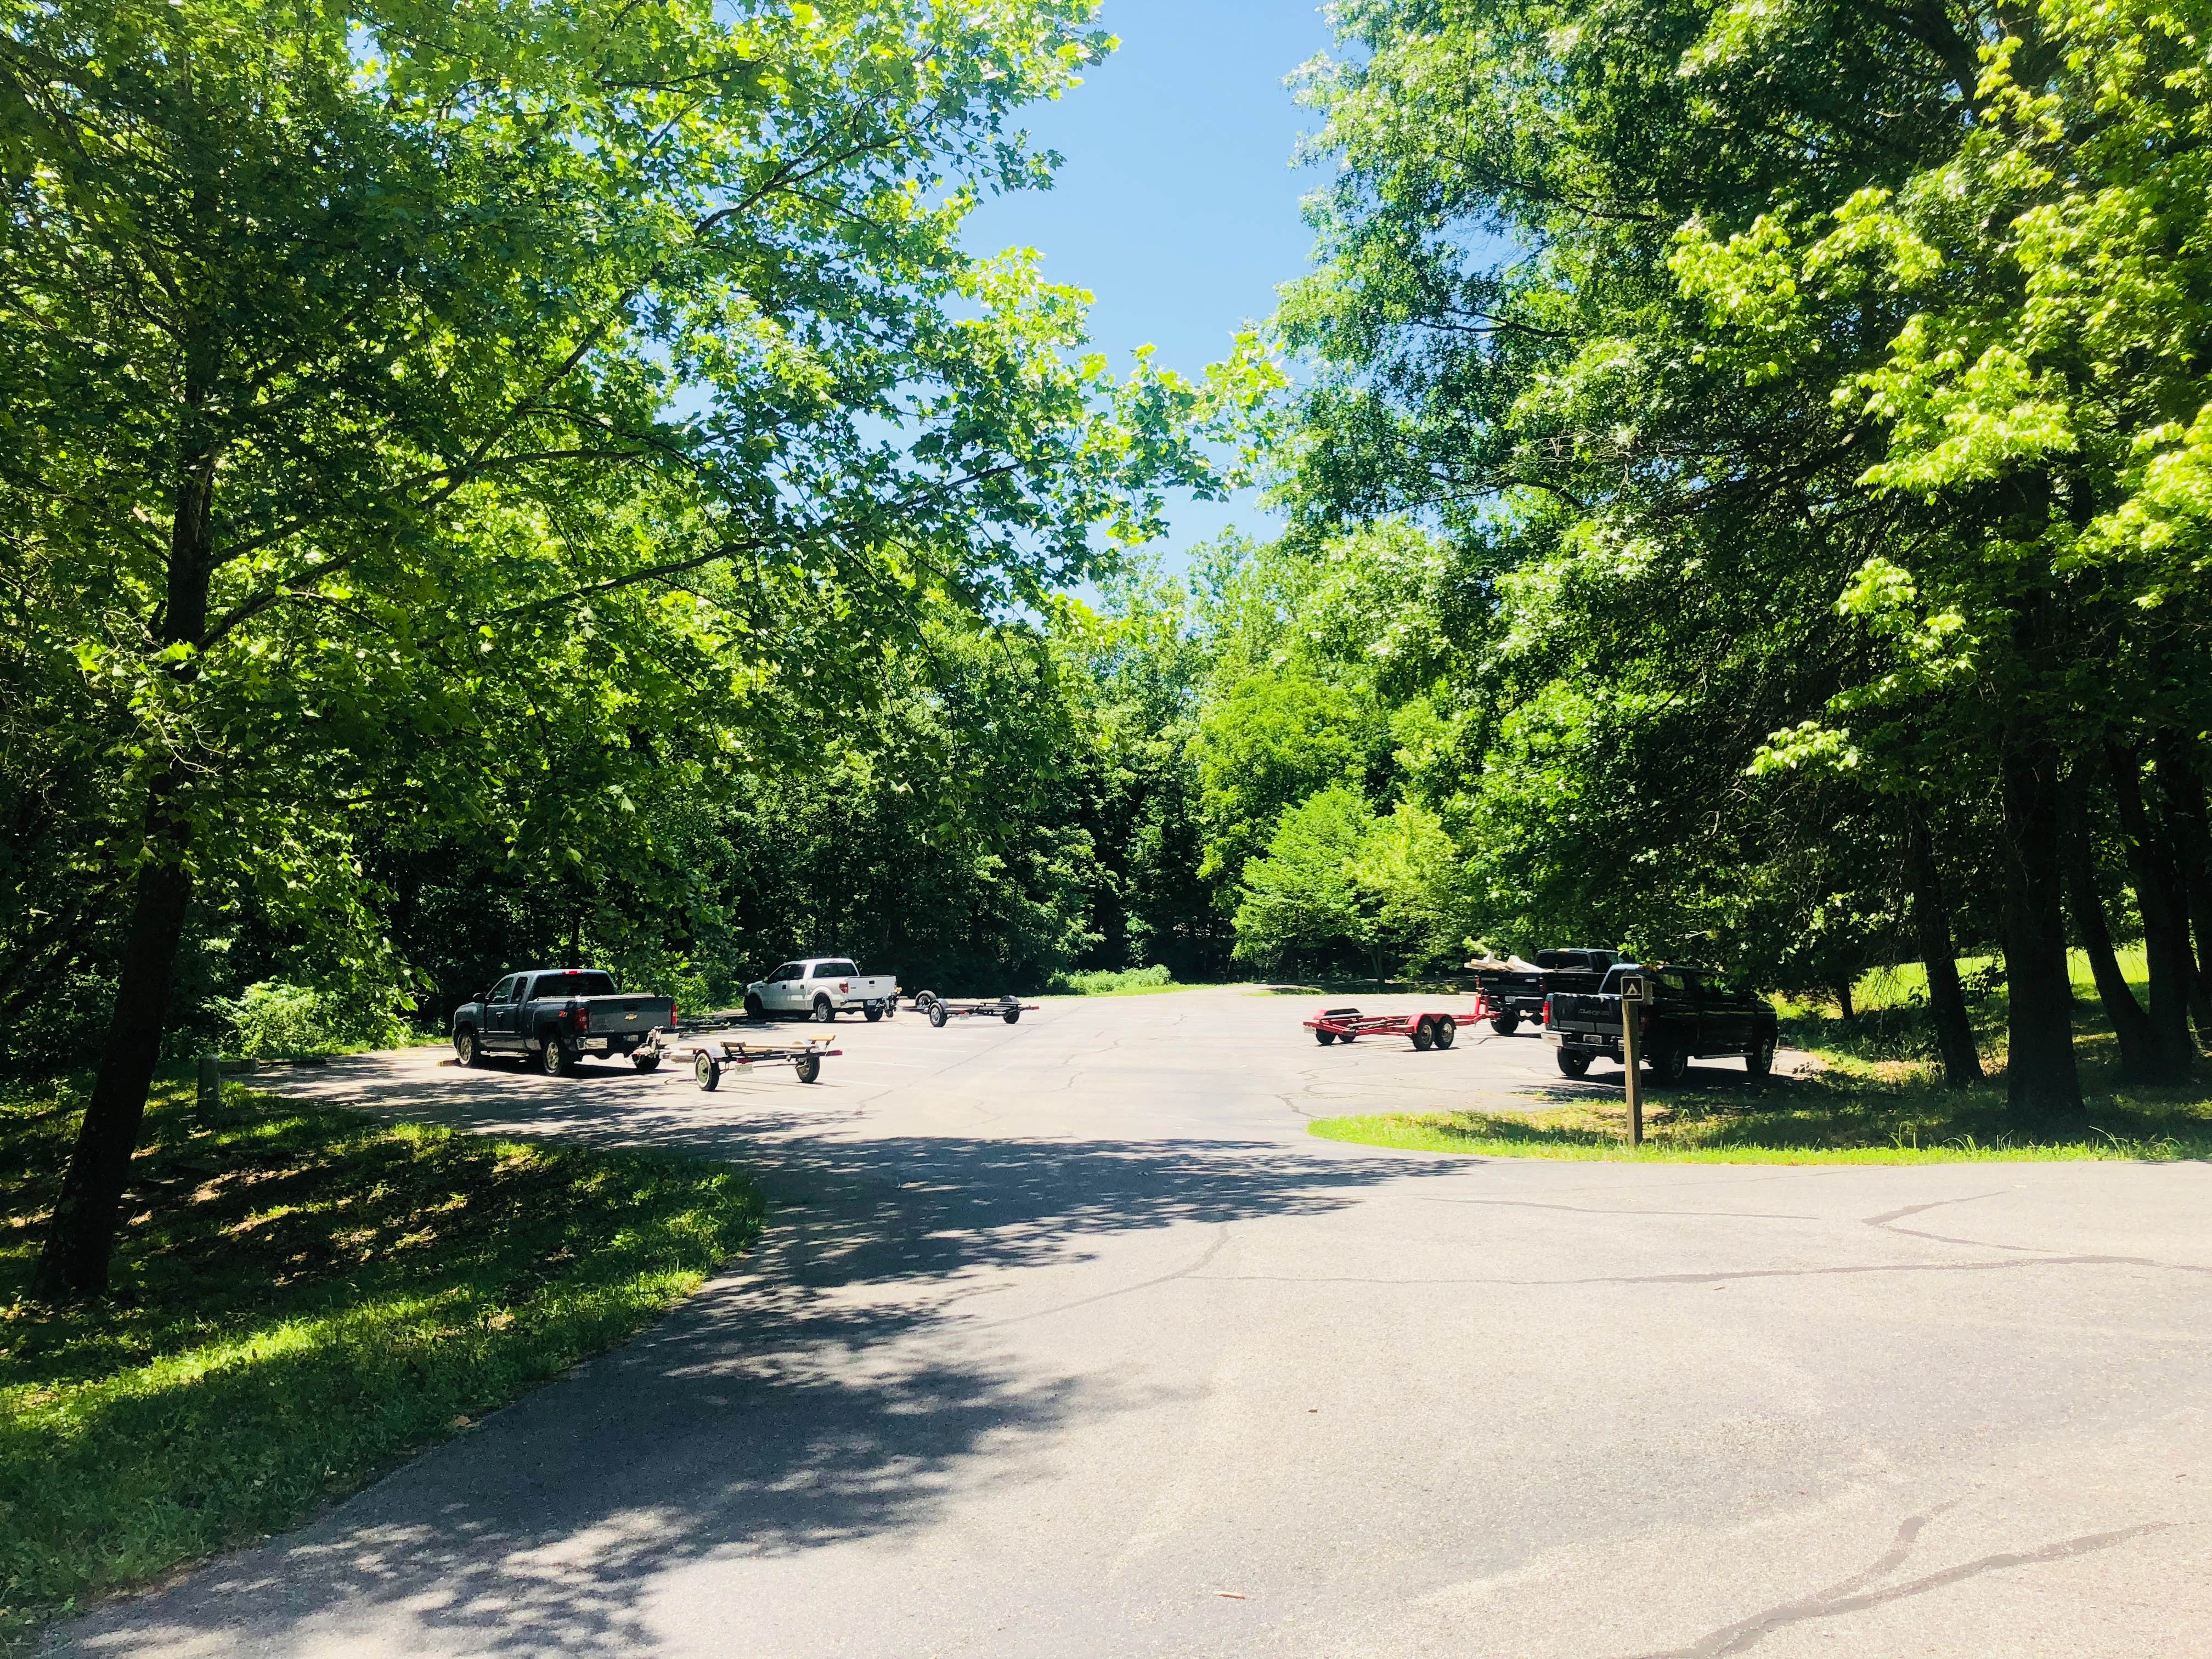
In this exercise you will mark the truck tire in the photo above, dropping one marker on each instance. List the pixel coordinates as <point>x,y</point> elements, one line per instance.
<point>1505,1024</point>
<point>645,1062</point>
<point>825,1013</point>
<point>872,1011</point>
<point>755,1008</point>
<point>1447,1030</point>
<point>1573,1062</point>
<point>1669,1063</point>
<point>706,1072</point>
<point>553,1057</point>
<point>1425,1035</point>
<point>1761,1061</point>
<point>809,1068</point>
<point>469,1048</point>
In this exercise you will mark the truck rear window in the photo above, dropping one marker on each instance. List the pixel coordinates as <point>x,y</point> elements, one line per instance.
<point>574,984</point>
<point>836,970</point>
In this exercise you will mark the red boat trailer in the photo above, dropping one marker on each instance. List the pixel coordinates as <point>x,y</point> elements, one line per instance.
<point>1433,1028</point>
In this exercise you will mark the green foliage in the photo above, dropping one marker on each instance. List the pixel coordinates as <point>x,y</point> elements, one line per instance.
<point>1338,876</point>
<point>271,1019</point>
<point>1114,981</point>
<point>308,1296</point>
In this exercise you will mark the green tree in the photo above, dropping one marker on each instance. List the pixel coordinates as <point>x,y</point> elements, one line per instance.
<point>415,413</point>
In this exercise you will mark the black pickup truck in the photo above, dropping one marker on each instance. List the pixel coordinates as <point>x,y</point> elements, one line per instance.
<point>555,1016</point>
<point>1517,993</point>
<point>1690,1015</point>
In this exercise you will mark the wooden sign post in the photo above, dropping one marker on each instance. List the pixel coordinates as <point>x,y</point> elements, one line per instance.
<point>1635,991</point>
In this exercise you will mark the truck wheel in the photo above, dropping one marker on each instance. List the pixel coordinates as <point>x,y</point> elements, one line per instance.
<point>873,1012</point>
<point>937,1014</point>
<point>468,1048</point>
<point>553,1058</point>
<point>1573,1062</point>
<point>1447,1028</point>
<point>706,1072</point>
<point>1324,1038</point>
<point>1669,1063</point>
<point>1761,1061</point>
<point>809,1068</point>
<point>1014,1016</point>
<point>1505,1024</point>
<point>755,1008</point>
<point>645,1062</point>
<point>823,1013</point>
<point>1425,1034</point>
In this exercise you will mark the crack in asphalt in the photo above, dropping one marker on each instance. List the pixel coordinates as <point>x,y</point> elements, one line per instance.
<point>1599,1209</point>
<point>1205,1256</point>
<point>1848,1596</point>
<point>1741,1273</point>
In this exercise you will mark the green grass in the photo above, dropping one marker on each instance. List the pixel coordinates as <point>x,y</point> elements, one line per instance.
<point>1119,982</point>
<point>1880,1112</point>
<point>302,1298</point>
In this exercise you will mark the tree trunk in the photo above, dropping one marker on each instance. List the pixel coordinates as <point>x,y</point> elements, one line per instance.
<point>1843,1000</point>
<point>2182,784</point>
<point>81,1238</point>
<point>2163,901</point>
<point>2141,1057</point>
<point>2041,1077</point>
<point>1931,926</point>
<point>73,1262</point>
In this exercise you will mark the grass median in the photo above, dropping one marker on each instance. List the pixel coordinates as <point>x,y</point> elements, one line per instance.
<point>303,1297</point>
<point>1829,1118</point>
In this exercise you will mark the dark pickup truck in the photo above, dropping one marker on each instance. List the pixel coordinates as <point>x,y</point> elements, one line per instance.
<point>1517,993</point>
<point>1690,1016</point>
<point>555,1016</point>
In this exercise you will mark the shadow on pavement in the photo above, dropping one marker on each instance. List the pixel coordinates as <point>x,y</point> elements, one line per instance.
<point>828,1392</point>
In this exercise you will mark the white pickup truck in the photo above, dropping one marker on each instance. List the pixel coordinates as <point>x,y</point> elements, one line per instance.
<point>822,987</point>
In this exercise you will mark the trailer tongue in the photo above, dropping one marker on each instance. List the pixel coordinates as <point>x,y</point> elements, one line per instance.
<point>1433,1028</point>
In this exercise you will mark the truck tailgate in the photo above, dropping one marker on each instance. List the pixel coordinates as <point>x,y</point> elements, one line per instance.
<point>637,1015</point>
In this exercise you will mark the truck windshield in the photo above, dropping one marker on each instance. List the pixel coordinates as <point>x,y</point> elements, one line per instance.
<point>582,983</point>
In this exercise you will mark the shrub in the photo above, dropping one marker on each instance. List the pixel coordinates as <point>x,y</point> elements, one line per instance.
<point>1099,980</point>
<point>273,1019</point>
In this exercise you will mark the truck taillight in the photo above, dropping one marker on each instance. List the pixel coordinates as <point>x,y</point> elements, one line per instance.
<point>1547,1010</point>
<point>671,1016</point>
<point>583,1019</point>
<point>842,986</point>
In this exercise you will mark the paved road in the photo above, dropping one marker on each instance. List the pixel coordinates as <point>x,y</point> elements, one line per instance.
<point>1068,1341</point>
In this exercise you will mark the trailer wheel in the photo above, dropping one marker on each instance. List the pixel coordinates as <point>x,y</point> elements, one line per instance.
<point>1014,1016</point>
<point>1425,1035</point>
<point>1574,1062</point>
<point>873,1012</point>
<point>755,1008</point>
<point>1447,1028</point>
<point>1505,1024</point>
<point>809,1068</point>
<point>468,1046</point>
<point>1324,1038</point>
<point>707,1071</point>
<point>823,1012</point>
<point>645,1062</point>
<point>937,1014</point>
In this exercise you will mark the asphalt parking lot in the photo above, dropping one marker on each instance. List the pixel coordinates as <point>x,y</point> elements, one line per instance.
<point>1067,1339</point>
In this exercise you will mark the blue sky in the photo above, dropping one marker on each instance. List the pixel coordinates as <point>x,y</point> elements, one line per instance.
<point>1177,205</point>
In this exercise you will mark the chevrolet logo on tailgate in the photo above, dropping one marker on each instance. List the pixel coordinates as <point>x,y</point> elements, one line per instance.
<point>629,1017</point>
